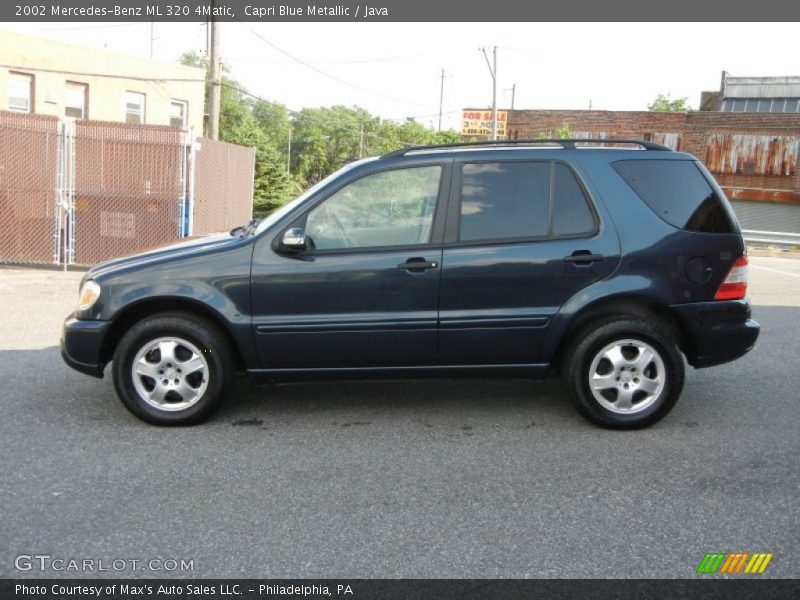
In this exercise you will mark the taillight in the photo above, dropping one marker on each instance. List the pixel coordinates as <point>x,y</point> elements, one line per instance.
<point>735,285</point>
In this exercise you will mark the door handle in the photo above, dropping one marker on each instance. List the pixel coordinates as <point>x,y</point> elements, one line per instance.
<point>582,258</point>
<point>417,264</point>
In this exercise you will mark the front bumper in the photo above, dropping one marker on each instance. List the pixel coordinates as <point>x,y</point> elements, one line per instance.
<point>719,331</point>
<point>81,343</point>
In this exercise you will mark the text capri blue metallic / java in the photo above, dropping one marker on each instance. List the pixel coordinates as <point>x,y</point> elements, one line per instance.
<point>611,263</point>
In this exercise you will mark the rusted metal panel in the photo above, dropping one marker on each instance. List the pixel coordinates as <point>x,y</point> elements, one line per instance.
<point>669,139</point>
<point>779,196</point>
<point>752,154</point>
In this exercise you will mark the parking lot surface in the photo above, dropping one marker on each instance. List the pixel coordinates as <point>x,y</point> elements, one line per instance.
<point>423,478</point>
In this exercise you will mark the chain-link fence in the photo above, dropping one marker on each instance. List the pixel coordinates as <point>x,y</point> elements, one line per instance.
<point>80,192</point>
<point>28,154</point>
<point>222,171</point>
<point>129,188</point>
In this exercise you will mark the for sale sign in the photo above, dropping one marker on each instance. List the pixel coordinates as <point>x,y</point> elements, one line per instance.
<point>479,123</point>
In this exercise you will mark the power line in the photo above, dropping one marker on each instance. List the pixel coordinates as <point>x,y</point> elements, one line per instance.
<point>305,116</point>
<point>328,75</point>
<point>327,61</point>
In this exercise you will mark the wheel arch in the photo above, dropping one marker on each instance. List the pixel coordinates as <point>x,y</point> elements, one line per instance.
<point>143,309</point>
<point>621,306</point>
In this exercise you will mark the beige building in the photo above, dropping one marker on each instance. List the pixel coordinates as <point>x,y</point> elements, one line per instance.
<point>49,77</point>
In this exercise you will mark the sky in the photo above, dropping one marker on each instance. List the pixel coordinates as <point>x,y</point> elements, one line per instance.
<point>394,69</point>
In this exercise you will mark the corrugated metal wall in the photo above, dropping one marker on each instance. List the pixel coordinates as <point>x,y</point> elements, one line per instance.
<point>752,154</point>
<point>767,216</point>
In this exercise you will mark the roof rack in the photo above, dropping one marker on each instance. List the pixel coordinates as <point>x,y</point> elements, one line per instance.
<point>567,144</point>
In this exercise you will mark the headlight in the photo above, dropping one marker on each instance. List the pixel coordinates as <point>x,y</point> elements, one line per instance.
<point>90,292</point>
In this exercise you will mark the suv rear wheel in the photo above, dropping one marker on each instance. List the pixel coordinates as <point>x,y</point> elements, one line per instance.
<point>624,374</point>
<point>172,369</point>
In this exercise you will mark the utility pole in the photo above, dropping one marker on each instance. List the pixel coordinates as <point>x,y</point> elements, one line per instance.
<point>214,81</point>
<point>513,89</point>
<point>441,100</point>
<point>152,37</point>
<point>361,142</point>
<point>493,71</point>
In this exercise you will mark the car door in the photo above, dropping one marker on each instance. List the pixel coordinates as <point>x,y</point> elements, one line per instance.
<point>522,237</point>
<point>365,292</point>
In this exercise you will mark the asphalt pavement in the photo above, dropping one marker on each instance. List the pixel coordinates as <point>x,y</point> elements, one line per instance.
<point>442,478</point>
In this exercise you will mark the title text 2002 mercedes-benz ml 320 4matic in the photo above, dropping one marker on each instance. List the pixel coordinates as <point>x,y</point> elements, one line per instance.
<point>608,262</point>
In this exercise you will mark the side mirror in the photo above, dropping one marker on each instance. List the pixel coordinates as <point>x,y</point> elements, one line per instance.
<point>294,240</point>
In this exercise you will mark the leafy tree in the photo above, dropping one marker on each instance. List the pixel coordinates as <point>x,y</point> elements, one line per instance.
<point>243,122</point>
<point>272,185</point>
<point>273,118</point>
<point>663,103</point>
<point>563,132</point>
<point>323,139</point>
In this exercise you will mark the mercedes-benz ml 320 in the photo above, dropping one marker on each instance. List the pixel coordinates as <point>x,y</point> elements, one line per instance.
<point>610,263</point>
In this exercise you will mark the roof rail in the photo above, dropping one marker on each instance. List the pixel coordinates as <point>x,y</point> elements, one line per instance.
<point>567,144</point>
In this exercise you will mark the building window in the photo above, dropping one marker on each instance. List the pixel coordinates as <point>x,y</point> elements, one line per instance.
<point>75,100</point>
<point>134,108</point>
<point>178,114</point>
<point>20,92</point>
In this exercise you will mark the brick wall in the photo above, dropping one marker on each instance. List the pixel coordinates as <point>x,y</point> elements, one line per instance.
<point>695,130</point>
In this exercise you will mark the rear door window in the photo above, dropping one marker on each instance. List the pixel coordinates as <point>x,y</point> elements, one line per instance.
<point>505,200</point>
<point>519,200</point>
<point>676,191</point>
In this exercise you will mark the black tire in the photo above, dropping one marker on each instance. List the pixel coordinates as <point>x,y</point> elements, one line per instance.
<point>610,410</point>
<point>213,378</point>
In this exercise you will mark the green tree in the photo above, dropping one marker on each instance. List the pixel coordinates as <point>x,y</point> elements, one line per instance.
<point>272,185</point>
<point>323,139</point>
<point>259,125</point>
<point>663,103</point>
<point>564,131</point>
<point>273,118</point>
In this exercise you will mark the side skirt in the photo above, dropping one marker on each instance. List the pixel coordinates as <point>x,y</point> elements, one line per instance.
<point>525,371</point>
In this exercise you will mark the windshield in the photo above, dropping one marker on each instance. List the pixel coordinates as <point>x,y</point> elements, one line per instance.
<point>271,219</point>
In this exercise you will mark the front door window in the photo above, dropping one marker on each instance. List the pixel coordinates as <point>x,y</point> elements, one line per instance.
<point>388,208</point>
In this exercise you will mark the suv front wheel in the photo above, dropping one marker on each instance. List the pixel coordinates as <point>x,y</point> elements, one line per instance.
<point>624,374</point>
<point>172,369</point>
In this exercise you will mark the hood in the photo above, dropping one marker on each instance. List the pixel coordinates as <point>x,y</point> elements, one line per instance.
<point>161,254</point>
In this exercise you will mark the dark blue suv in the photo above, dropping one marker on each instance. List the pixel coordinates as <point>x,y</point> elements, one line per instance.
<point>610,261</point>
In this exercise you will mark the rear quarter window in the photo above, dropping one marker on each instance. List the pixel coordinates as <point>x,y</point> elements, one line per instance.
<point>678,192</point>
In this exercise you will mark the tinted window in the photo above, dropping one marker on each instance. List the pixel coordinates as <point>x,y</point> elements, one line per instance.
<point>505,200</point>
<point>571,214</point>
<point>678,192</point>
<point>389,208</point>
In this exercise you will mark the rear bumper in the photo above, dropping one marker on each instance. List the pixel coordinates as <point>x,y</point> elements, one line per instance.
<point>719,331</point>
<point>81,342</point>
